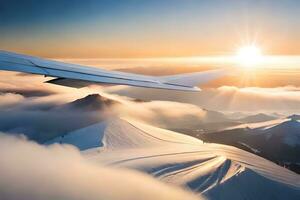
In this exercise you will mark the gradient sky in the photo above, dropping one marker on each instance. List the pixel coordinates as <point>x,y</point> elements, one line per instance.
<point>141,28</point>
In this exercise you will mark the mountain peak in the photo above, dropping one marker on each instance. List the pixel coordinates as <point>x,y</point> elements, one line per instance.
<point>92,102</point>
<point>93,97</point>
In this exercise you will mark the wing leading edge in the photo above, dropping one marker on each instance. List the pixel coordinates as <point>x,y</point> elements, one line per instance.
<point>78,76</point>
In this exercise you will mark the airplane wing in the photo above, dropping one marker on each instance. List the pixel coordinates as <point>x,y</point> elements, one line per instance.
<point>79,76</point>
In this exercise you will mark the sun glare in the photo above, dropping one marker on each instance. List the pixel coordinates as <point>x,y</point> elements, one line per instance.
<point>249,56</point>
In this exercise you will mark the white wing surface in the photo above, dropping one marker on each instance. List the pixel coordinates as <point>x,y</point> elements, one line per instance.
<point>78,76</point>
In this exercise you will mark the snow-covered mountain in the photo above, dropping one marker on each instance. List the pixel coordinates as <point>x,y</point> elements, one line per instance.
<point>287,132</point>
<point>216,171</point>
<point>277,140</point>
<point>284,131</point>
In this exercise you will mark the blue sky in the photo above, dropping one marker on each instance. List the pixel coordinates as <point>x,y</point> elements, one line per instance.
<point>140,28</point>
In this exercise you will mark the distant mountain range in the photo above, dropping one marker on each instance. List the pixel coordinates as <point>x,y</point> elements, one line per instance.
<point>215,121</point>
<point>261,117</point>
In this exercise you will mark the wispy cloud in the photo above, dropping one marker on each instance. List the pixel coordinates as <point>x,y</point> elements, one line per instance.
<point>226,98</point>
<point>163,113</point>
<point>8,99</point>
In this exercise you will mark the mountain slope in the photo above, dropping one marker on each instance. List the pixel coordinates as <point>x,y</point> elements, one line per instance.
<point>216,171</point>
<point>276,140</point>
<point>287,132</point>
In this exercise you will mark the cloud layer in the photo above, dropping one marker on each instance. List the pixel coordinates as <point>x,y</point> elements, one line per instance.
<point>165,114</point>
<point>227,98</point>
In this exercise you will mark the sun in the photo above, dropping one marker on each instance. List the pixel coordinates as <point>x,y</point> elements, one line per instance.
<point>249,56</point>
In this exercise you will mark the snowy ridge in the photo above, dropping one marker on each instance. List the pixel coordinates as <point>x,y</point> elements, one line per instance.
<point>216,171</point>
<point>121,134</point>
<point>260,125</point>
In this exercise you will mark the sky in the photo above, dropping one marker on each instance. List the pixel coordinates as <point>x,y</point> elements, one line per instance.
<point>141,28</point>
<point>164,37</point>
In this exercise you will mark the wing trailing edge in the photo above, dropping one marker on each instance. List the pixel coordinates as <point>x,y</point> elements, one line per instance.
<point>79,76</point>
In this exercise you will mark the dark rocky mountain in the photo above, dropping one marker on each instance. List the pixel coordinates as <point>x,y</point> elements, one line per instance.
<point>92,102</point>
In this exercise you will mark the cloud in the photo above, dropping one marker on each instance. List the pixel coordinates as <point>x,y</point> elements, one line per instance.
<point>253,98</point>
<point>27,92</point>
<point>15,81</point>
<point>31,171</point>
<point>29,85</point>
<point>165,114</point>
<point>8,99</point>
<point>226,98</point>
